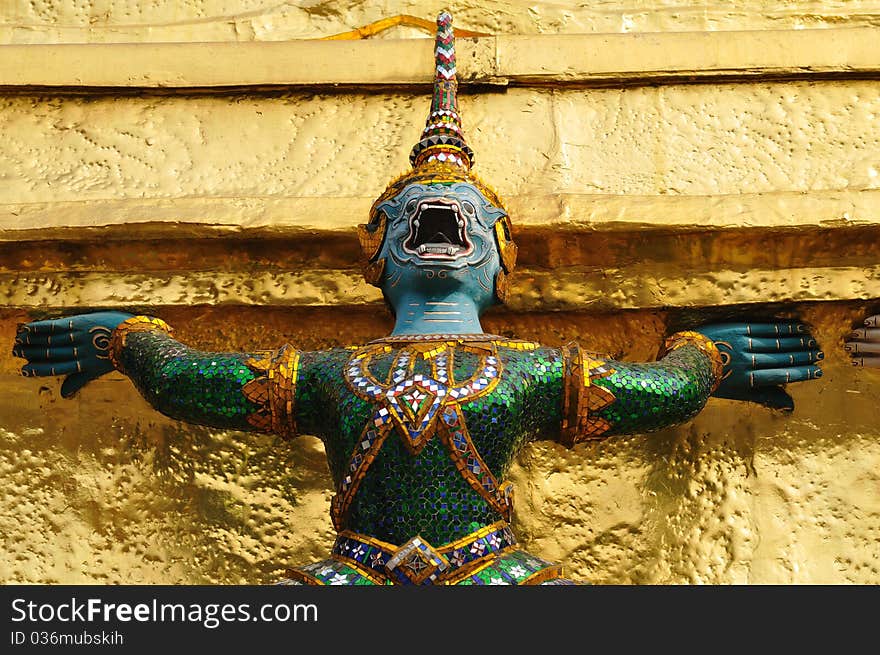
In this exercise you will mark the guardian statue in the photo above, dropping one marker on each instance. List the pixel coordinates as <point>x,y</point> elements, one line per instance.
<point>420,427</point>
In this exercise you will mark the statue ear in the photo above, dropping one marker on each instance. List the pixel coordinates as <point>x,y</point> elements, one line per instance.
<point>371,235</point>
<point>506,247</point>
<point>373,272</point>
<point>507,250</point>
<point>502,288</point>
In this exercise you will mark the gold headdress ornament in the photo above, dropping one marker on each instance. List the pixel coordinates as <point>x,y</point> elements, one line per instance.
<point>441,155</point>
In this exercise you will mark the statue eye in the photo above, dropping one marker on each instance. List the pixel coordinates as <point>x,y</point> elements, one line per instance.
<point>468,208</point>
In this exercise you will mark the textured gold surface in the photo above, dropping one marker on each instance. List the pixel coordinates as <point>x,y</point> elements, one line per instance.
<point>548,59</point>
<point>571,288</point>
<point>679,140</point>
<point>664,204</point>
<point>65,21</point>
<point>101,488</point>
<point>558,213</point>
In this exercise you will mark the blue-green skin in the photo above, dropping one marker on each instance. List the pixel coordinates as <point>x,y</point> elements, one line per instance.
<point>403,495</point>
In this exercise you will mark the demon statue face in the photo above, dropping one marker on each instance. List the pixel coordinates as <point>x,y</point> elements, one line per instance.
<point>439,230</point>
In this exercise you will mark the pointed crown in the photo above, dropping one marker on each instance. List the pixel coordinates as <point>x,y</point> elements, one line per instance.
<point>442,139</point>
<point>441,154</point>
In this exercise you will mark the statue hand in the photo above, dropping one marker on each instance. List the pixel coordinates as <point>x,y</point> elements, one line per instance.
<point>760,358</point>
<point>75,346</point>
<point>863,344</point>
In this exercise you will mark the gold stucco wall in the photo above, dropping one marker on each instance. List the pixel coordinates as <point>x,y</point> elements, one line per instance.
<point>75,21</point>
<point>640,207</point>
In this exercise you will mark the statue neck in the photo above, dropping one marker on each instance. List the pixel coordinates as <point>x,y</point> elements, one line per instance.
<point>452,313</point>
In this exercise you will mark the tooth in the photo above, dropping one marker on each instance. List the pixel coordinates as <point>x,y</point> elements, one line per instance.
<point>423,249</point>
<point>416,222</point>
<point>450,250</point>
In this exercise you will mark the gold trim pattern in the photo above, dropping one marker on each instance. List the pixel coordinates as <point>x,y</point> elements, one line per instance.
<point>362,570</point>
<point>274,391</point>
<point>371,241</point>
<point>704,344</point>
<point>437,411</point>
<point>502,286</point>
<point>581,398</point>
<point>506,247</point>
<point>446,564</point>
<point>470,465</point>
<point>365,451</point>
<point>436,173</point>
<point>418,562</point>
<point>303,577</point>
<point>133,324</point>
<point>553,572</point>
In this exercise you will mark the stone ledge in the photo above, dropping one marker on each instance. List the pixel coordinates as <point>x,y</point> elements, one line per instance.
<point>577,252</point>
<point>564,289</point>
<point>276,216</point>
<point>582,59</point>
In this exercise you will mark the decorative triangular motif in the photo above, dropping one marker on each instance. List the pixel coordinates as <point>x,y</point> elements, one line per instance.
<point>412,401</point>
<point>416,435</point>
<point>416,402</point>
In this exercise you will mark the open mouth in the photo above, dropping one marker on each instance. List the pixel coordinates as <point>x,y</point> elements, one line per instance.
<point>437,231</point>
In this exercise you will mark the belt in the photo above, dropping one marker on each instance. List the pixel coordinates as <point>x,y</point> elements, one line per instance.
<point>417,562</point>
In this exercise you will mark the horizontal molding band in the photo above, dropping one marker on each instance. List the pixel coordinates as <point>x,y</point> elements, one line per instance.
<point>578,252</point>
<point>273,216</point>
<point>580,59</point>
<point>541,248</point>
<point>570,288</point>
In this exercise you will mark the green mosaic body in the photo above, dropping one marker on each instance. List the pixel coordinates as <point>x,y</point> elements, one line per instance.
<point>403,495</point>
<point>189,385</point>
<point>653,396</point>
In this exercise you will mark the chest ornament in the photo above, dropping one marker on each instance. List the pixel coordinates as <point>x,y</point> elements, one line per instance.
<point>419,405</point>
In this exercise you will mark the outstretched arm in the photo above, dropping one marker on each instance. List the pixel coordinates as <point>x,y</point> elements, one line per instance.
<point>741,361</point>
<point>245,391</point>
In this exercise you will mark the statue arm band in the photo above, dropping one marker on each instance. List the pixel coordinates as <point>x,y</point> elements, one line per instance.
<point>702,343</point>
<point>243,391</point>
<point>133,324</point>
<point>604,397</point>
<point>582,398</point>
<point>274,391</point>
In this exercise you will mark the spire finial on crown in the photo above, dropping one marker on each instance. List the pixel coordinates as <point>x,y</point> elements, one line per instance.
<point>442,139</point>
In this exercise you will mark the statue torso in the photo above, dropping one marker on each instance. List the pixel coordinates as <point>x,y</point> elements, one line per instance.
<point>420,434</point>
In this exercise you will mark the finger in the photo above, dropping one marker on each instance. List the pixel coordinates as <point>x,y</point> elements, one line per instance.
<point>782,344</point>
<point>73,383</point>
<point>27,335</point>
<point>866,362</point>
<point>866,334</point>
<point>782,360</point>
<point>49,326</point>
<point>861,347</point>
<point>774,398</point>
<point>776,376</point>
<point>42,370</point>
<point>776,329</point>
<point>47,354</point>
<point>873,321</point>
